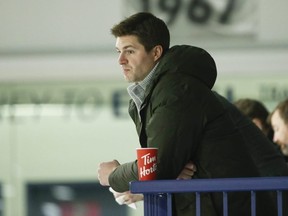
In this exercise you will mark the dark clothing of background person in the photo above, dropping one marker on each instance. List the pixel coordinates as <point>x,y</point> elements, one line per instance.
<point>187,121</point>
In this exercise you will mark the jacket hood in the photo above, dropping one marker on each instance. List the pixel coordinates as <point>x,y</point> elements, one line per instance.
<point>190,60</point>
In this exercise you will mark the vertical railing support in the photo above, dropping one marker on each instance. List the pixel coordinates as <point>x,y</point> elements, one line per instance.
<point>156,204</point>
<point>279,203</point>
<point>225,203</point>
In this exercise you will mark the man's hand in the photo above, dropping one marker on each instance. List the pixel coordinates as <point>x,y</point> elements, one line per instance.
<point>105,169</point>
<point>126,197</point>
<point>188,171</point>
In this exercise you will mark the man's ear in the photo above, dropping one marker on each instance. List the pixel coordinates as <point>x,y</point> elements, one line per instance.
<point>258,123</point>
<point>157,52</point>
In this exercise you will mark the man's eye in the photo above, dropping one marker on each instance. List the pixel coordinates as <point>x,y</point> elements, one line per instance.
<point>130,51</point>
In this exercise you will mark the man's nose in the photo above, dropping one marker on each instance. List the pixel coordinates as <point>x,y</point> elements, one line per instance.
<point>122,59</point>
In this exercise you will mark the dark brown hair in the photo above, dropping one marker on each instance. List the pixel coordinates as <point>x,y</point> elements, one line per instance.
<point>150,30</point>
<point>255,109</point>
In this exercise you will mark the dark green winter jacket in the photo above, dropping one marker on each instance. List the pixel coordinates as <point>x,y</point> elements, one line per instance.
<point>187,121</point>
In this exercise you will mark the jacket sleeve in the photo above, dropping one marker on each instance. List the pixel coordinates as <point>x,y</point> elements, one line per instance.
<point>119,179</point>
<point>175,126</point>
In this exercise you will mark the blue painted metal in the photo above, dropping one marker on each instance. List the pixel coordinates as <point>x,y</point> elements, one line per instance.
<point>225,204</point>
<point>169,204</point>
<point>198,204</point>
<point>253,203</point>
<point>279,203</point>
<point>158,193</point>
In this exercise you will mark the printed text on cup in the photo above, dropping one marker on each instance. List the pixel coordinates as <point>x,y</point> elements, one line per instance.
<point>148,160</point>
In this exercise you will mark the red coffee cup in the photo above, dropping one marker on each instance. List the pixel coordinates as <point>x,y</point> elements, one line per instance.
<point>147,163</point>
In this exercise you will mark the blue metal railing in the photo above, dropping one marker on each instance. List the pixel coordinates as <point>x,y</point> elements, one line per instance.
<point>158,193</point>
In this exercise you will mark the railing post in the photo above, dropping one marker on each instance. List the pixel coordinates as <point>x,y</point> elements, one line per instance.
<point>279,203</point>
<point>157,205</point>
<point>225,203</point>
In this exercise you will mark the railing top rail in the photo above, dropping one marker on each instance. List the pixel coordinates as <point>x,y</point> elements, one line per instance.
<point>210,185</point>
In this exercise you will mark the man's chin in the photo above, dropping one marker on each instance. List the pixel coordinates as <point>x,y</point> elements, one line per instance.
<point>129,79</point>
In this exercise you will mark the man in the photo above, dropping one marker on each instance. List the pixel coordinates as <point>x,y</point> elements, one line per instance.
<point>279,122</point>
<point>175,110</point>
<point>257,112</point>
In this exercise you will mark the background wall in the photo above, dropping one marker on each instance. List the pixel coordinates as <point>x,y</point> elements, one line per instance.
<point>62,97</point>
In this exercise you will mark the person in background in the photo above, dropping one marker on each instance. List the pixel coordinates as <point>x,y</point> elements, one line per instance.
<point>257,113</point>
<point>279,121</point>
<point>174,109</point>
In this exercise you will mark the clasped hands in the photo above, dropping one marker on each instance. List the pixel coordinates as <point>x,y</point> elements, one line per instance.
<point>106,168</point>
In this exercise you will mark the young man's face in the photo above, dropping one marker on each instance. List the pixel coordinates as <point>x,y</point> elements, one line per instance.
<point>136,63</point>
<point>280,132</point>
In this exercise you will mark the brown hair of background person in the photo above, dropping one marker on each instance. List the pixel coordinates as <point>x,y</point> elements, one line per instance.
<point>257,112</point>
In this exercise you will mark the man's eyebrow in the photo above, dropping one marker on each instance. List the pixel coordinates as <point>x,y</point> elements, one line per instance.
<point>126,47</point>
